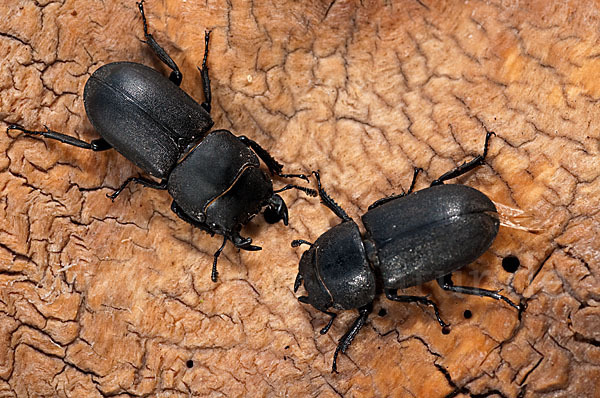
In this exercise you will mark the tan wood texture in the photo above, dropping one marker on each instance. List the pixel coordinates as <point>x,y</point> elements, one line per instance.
<point>115,299</point>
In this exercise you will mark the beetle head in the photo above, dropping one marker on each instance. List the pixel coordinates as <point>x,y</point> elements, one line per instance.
<point>318,296</point>
<point>276,210</point>
<point>335,270</point>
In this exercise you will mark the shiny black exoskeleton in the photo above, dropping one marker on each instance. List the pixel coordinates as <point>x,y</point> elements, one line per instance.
<point>410,239</point>
<point>214,179</point>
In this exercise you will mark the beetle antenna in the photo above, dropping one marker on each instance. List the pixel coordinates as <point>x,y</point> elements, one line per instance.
<point>329,202</point>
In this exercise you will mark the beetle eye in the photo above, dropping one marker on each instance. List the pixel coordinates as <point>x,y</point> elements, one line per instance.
<point>271,216</point>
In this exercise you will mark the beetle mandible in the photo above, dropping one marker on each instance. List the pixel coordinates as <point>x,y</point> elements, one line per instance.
<point>214,179</point>
<point>410,239</point>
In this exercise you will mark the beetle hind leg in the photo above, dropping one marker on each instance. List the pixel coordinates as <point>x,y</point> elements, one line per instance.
<point>346,340</point>
<point>162,185</point>
<point>160,52</point>
<point>392,294</point>
<point>96,145</point>
<point>446,283</point>
<point>204,73</point>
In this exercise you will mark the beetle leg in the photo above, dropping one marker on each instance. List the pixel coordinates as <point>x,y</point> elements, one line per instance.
<point>330,203</point>
<point>96,145</point>
<point>277,209</point>
<point>243,243</point>
<point>467,166</point>
<point>344,343</point>
<point>392,294</point>
<point>328,326</point>
<point>214,273</point>
<point>160,52</point>
<point>204,72</point>
<point>389,198</point>
<point>273,165</point>
<point>308,191</point>
<point>143,181</point>
<point>446,283</point>
<point>298,242</point>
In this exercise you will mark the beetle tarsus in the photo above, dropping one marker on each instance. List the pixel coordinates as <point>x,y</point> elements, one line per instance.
<point>96,145</point>
<point>204,73</point>
<point>446,283</point>
<point>160,52</point>
<point>214,274</point>
<point>479,160</point>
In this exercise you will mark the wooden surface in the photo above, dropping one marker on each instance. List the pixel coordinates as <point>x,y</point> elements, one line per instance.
<point>114,299</point>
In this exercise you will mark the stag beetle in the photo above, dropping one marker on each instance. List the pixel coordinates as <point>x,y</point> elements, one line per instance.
<point>213,177</point>
<point>410,239</point>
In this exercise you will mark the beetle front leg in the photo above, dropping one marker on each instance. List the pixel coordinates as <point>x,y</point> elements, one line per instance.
<point>344,343</point>
<point>96,145</point>
<point>467,166</point>
<point>162,185</point>
<point>274,166</point>
<point>446,283</point>
<point>214,274</point>
<point>160,52</point>
<point>392,294</point>
<point>243,243</point>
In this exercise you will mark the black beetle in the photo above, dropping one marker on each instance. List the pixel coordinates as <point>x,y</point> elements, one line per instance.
<point>214,179</point>
<point>411,238</point>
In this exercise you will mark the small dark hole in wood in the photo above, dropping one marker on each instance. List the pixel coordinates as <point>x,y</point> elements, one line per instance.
<point>511,264</point>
